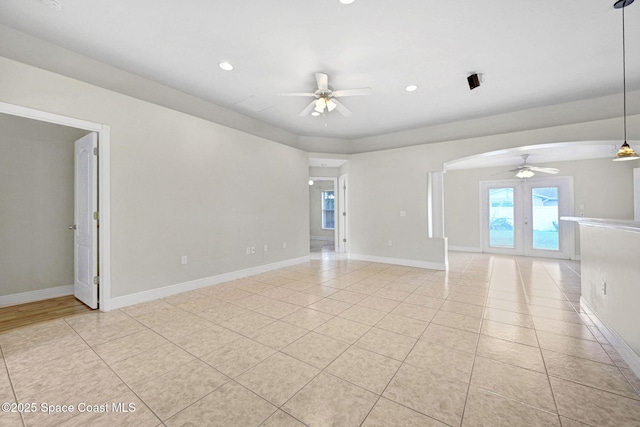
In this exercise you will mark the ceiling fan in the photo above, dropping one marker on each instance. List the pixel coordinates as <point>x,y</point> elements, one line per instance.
<point>526,170</point>
<point>325,98</point>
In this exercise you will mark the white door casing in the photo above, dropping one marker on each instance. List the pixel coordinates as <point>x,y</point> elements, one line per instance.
<point>104,183</point>
<point>343,215</point>
<point>86,224</point>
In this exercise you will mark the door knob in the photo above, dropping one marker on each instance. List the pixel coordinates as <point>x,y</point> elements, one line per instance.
<point>72,227</point>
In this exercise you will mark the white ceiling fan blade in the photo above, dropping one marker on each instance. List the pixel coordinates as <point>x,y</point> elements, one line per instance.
<point>552,171</point>
<point>307,110</point>
<point>296,94</point>
<point>341,108</point>
<point>323,81</point>
<point>353,92</point>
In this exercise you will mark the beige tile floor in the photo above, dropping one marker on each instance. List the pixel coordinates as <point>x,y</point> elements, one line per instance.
<point>496,341</point>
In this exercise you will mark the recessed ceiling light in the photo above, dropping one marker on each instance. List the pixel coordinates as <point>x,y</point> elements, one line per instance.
<point>225,66</point>
<point>411,88</point>
<point>347,1</point>
<point>52,4</point>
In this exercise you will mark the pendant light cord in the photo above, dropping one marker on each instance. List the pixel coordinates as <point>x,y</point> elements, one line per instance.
<point>624,79</point>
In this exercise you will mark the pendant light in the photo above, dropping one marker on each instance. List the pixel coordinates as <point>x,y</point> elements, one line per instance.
<point>625,152</point>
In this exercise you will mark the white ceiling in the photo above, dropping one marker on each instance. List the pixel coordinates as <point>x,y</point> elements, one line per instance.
<point>532,53</point>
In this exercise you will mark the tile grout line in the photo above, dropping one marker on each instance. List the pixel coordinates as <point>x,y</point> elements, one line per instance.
<point>13,390</point>
<point>310,380</point>
<point>535,331</point>
<point>396,279</point>
<point>324,370</point>
<point>475,353</point>
<point>585,358</point>
<point>402,362</point>
<point>117,375</point>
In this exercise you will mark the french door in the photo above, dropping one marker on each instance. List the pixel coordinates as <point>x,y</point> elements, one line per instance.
<point>522,217</point>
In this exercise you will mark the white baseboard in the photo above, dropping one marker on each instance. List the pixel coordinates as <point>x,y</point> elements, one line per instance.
<point>465,249</point>
<point>39,295</point>
<point>627,353</point>
<point>323,238</point>
<point>167,291</point>
<point>399,261</point>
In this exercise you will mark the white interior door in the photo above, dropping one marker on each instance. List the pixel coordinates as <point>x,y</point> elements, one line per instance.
<point>343,223</point>
<point>86,224</point>
<point>522,217</point>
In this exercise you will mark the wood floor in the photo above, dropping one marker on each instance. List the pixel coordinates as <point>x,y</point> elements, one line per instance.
<point>39,311</point>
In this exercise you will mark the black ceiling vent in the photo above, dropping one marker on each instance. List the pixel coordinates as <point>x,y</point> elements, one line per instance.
<point>474,81</point>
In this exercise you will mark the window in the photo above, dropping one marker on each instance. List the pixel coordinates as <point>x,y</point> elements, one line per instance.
<point>328,210</point>
<point>501,214</point>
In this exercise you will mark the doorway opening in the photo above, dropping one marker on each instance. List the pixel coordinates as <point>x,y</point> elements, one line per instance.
<point>94,177</point>
<point>323,227</point>
<point>522,217</point>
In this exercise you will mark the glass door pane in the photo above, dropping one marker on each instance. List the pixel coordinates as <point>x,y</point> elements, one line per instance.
<point>501,215</point>
<point>544,218</point>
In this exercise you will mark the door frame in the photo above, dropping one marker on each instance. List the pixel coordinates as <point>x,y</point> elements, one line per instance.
<point>343,214</point>
<point>336,206</point>
<point>104,181</point>
<point>567,238</point>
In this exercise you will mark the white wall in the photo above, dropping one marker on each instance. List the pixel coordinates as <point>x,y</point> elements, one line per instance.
<point>324,172</point>
<point>180,185</point>
<point>36,205</point>
<point>383,183</point>
<point>603,187</point>
<point>611,256</point>
<point>185,186</point>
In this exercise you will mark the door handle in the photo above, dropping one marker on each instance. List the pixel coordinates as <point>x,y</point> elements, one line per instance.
<point>72,227</point>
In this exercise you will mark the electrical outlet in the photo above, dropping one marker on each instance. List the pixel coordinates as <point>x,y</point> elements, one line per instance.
<point>248,250</point>
<point>266,248</point>
<point>604,287</point>
<point>183,260</point>
<point>390,243</point>
<point>284,245</point>
<point>403,213</point>
<point>253,249</point>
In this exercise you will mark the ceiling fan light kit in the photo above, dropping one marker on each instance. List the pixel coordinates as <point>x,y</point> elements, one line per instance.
<point>325,98</point>
<point>526,170</point>
<point>626,151</point>
<point>323,103</point>
<point>525,173</point>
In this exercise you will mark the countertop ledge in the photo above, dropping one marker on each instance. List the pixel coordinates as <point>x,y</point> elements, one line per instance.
<point>618,224</point>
